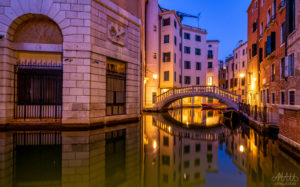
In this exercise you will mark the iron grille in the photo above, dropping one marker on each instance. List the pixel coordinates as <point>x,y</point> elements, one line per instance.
<point>38,91</point>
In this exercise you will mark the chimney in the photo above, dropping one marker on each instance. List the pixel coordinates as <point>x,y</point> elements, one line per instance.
<point>240,42</point>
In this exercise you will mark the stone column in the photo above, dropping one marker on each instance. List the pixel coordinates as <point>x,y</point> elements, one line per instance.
<point>7,62</point>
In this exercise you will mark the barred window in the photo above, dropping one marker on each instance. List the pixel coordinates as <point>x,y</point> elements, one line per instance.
<point>115,87</point>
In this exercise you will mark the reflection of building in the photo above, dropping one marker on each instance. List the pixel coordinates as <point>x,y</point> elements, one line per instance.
<point>183,156</point>
<point>178,55</point>
<point>104,157</point>
<point>196,116</point>
<point>70,62</point>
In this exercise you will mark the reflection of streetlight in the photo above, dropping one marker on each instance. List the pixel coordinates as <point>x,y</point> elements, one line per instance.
<point>241,148</point>
<point>154,144</point>
<point>155,76</point>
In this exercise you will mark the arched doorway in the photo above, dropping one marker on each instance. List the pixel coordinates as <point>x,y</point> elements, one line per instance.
<point>37,42</point>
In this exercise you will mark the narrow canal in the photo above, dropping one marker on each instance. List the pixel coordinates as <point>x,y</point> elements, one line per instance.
<point>183,147</point>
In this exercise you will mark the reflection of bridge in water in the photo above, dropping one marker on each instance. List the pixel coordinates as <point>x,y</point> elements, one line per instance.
<point>190,131</point>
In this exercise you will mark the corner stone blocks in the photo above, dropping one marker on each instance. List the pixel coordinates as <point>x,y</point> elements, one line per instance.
<point>86,47</point>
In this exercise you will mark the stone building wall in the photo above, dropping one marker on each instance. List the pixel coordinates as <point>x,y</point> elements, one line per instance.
<point>253,64</point>
<point>87,43</point>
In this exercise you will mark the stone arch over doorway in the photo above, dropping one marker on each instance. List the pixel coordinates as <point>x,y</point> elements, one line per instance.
<point>34,28</point>
<point>36,41</point>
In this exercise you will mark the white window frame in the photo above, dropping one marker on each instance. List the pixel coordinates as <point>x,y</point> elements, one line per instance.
<point>290,72</point>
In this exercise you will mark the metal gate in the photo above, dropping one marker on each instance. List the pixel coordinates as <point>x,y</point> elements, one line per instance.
<point>38,91</point>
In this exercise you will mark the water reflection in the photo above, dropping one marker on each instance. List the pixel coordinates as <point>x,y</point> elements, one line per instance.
<point>196,116</point>
<point>104,157</point>
<point>155,152</point>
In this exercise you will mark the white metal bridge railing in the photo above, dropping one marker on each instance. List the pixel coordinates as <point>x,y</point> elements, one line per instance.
<point>213,91</point>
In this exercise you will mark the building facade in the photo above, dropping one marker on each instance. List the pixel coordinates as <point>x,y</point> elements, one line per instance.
<point>177,55</point>
<point>289,107</point>
<point>273,56</point>
<point>70,61</point>
<point>236,70</point>
<point>266,48</point>
<point>239,70</point>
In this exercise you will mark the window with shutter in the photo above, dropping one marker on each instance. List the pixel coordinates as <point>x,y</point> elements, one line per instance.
<point>286,73</point>
<point>291,65</point>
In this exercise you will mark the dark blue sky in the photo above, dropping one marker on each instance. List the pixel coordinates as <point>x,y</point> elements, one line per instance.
<point>224,20</point>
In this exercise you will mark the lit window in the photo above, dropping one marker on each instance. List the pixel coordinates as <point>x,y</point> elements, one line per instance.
<point>209,81</point>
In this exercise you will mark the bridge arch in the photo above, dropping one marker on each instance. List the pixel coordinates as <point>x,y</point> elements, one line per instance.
<point>224,96</point>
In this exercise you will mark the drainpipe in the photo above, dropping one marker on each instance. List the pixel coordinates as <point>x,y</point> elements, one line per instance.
<point>159,53</point>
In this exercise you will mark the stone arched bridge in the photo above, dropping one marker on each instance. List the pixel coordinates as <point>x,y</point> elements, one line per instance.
<point>164,100</point>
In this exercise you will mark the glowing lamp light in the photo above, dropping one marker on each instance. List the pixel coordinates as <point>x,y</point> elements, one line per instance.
<point>242,149</point>
<point>154,144</point>
<point>169,129</point>
<point>242,75</point>
<point>155,76</point>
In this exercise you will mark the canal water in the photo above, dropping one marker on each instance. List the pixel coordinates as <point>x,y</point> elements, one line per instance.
<point>183,147</point>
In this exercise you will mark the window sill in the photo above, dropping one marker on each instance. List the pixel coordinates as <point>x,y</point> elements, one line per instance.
<point>290,107</point>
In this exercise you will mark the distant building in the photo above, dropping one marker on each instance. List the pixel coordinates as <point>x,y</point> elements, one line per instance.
<point>222,75</point>
<point>240,70</point>
<point>177,55</point>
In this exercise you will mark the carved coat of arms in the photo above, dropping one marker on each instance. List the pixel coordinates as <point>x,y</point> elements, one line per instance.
<point>116,33</point>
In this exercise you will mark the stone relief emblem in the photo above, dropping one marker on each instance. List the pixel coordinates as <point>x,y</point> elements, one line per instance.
<point>116,33</point>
